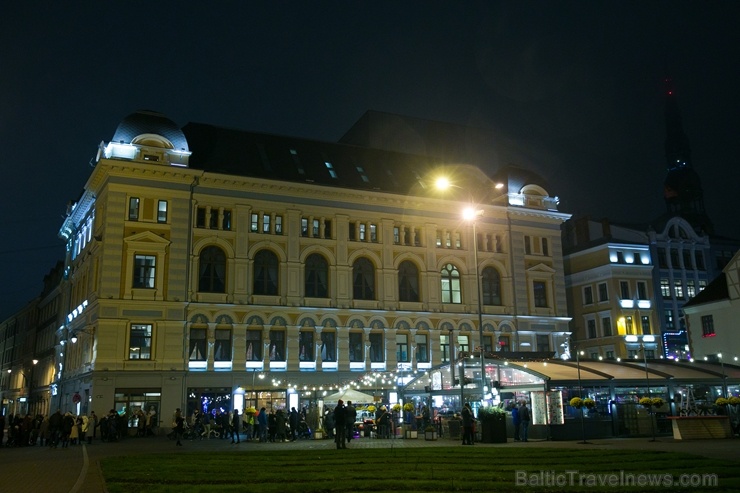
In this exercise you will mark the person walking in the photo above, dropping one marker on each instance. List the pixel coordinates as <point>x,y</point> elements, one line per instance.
<point>467,424</point>
<point>524,417</point>
<point>340,421</point>
<point>179,428</point>
<point>235,422</point>
<point>351,418</point>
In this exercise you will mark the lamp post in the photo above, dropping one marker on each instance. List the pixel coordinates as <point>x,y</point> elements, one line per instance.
<point>724,376</point>
<point>642,339</point>
<point>580,394</point>
<point>470,215</point>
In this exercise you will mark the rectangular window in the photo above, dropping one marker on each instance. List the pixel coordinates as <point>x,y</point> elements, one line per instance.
<point>327,229</point>
<point>330,169</point>
<point>254,345</point>
<point>277,345</point>
<point>140,341</point>
<point>254,224</point>
<point>448,239</point>
<point>463,343</point>
<point>374,233</point>
<point>200,217</point>
<point>133,209</point>
<point>305,345</point>
<point>162,211</point>
<point>304,227</point>
<point>687,260</point>
<point>458,242</point>
<point>674,258</point>
<point>198,345</point>
<point>222,346</point>
<point>402,348</point>
<point>645,322</point>
<point>588,295</point>
<point>356,349</point>
<point>377,353</point>
<point>528,245</point>
<point>422,349</point>
<point>707,326</point>
<point>213,220</point>
<point>444,347</point>
<point>642,290</point>
<point>609,354</point>
<point>591,327</point>
<point>594,356</point>
<point>699,257</point>
<point>144,271</point>
<point>603,292</point>
<point>352,232</point>
<point>438,241</point>
<point>328,346</point>
<point>504,343</point>
<point>662,258</point>
<point>539,289</point>
<point>543,343</point>
<point>545,248</point>
<point>678,289</point>
<point>690,288</point>
<point>361,171</point>
<point>266,223</point>
<point>624,290</point>
<point>668,318</point>
<point>362,232</point>
<point>397,235</point>
<point>226,226</point>
<point>665,288</point>
<point>278,225</point>
<point>629,327</point>
<point>606,324</point>
<point>316,228</point>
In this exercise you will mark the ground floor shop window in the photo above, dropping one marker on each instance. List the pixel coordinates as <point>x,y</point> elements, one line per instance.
<point>135,405</point>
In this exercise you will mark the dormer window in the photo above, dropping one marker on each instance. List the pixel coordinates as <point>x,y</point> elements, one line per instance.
<point>151,157</point>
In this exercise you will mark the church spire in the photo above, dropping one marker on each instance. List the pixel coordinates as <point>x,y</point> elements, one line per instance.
<point>682,189</point>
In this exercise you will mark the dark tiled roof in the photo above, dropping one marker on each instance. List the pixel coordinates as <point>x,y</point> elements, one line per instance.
<point>715,291</point>
<point>222,150</point>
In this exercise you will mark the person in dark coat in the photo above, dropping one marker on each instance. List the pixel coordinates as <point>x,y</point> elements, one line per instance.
<point>516,421</point>
<point>467,424</point>
<point>340,422</point>
<point>179,426</point>
<point>235,419</point>
<point>524,417</point>
<point>351,418</point>
<point>68,421</point>
<point>55,428</point>
<point>294,420</point>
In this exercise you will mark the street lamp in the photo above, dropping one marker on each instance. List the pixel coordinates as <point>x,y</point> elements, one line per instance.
<point>642,339</point>
<point>724,376</point>
<point>580,394</point>
<point>471,215</point>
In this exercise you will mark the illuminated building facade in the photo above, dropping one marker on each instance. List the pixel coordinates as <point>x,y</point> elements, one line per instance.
<point>210,265</point>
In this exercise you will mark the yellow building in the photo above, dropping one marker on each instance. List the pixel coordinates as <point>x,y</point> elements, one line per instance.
<point>610,289</point>
<point>213,267</point>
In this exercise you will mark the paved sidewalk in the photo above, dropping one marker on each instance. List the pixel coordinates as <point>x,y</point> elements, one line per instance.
<point>76,469</point>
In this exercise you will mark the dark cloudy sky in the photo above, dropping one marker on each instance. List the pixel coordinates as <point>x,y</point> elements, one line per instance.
<point>576,82</point>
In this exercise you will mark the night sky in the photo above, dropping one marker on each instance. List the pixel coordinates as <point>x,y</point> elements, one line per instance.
<point>577,83</point>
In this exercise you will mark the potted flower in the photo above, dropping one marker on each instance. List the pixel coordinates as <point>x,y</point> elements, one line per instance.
<point>589,403</point>
<point>396,408</point>
<point>493,424</point>
<point>650,402</point>
<point>734,401</point>
<point>576,402</point>
<point>250,410</point>
<point>721,402</point>
<point>409,420</point>
<point>430,433</point>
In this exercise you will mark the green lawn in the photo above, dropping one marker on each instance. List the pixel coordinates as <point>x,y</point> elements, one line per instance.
<point>400,470</point>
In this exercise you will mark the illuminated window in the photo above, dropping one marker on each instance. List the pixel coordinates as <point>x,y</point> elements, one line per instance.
<point>450,284</point>
<point>278,225</point>
<point>444,347</point>
<point>144,271</point>
<point>690,288</point>
<point>422,350</point>
<point>305,345</point>
<point>330,168</point>
<point>707,326</point>
<point>162,211</point>
<point>402,348</point>
<point>328,345</point>
<point>222,345</point>
<point>678,289</point>
<point>665,288</point>
<point>140,341</point>
<point>254,345</point>
<point>133,209</point>
<point>277,345</point>
<point>265,223</point>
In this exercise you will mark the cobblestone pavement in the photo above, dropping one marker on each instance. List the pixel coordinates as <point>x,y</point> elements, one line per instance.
<point>76,469</point>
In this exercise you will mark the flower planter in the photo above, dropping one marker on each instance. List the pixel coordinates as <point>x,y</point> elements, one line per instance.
<point>700,427</point>
<point>411,434</point>
<point>430,435</point>
<point>493,431</point>
<point>318,435</point>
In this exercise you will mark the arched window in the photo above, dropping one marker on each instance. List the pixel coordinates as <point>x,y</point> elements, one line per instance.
<point>408,281</point>
<point>265,273</point>
<point>212,273</point>
<point>317,273</point>
<point>450,284</point>
<point>491,286</point>
<point>363,279</point>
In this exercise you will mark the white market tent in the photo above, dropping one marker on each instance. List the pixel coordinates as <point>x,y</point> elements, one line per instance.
<point>355,396</point>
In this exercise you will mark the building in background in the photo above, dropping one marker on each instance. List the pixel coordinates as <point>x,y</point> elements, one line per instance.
<point>209,267</point>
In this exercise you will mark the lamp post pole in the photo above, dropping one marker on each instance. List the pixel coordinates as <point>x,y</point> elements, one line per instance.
<point>480,315</point>
<point>724,376</point>
<point>647,381</point>
<point>580,394</point>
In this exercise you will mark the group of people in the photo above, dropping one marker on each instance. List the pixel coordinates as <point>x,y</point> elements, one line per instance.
<point>277,426</point>
<point>520,417</point>
<point>52,431</point>
<point>344,423</point>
